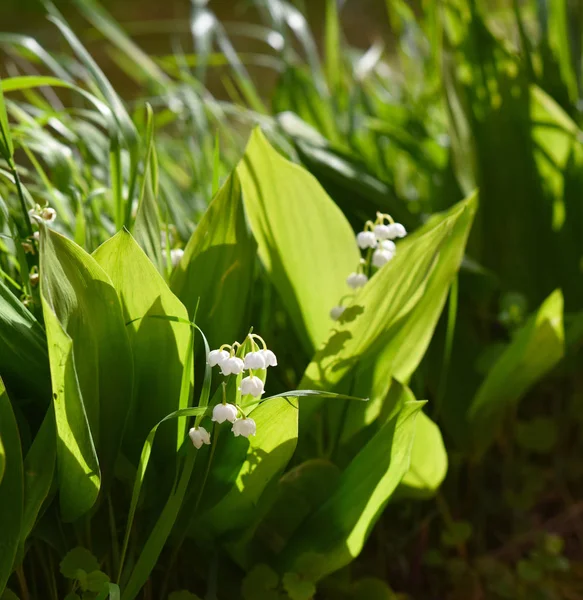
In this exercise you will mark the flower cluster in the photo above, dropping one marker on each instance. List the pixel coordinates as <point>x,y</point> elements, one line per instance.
<point>377,240</point>
<point>39,214</point>
<point>229,363</point>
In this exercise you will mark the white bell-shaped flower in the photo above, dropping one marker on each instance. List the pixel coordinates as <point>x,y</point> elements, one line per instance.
<point>217,357</point>
<point>366,239</point>
<point>48,214</point>
<point>336,312</point>
<point>244,427</point>
<point>199,436</point>
<point>388,245</point>
<point>224,412</point>
<point>397,231</point>
<point>381,257</point>
<point>382,232</point>
<point>270,358</point>
<point>252,385</point>
<point>254,360</point>
<point>356,280</point>
<point>176,255</point>
<point>232,366</point>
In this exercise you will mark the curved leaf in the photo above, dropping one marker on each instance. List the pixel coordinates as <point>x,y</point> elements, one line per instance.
<point>11,488</point>
<point>157,375</point>
<point>304,240</point>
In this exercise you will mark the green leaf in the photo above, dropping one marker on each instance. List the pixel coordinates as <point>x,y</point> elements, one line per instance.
<point>78,474</point>
<point>91,361</point>
<point>428,466</point>
<point>2,460</point>
<point>260,584</point>
<point>157,375</point>
<point>9,595</point>
<point>250,464</point>
<point>150,552</point>
<point>148,230</point>
<point>335,533</point>
<point>96,581</point>
<point>39,469</point>
<point>538,435</point>
<point>23,348</point>
<point>536,348</point>
<point>78,559</point>
<point>458,532</point>
<point>6,146</point>
<point>298,588</point>
<point>305,242</point>
<point>216,270</point>
<point>11,488</point>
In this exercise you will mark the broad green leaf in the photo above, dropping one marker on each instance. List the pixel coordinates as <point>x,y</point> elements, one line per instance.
<point>264,456</point>
<point>335,533</point>
<point>304,240</point>
<point>428,466</point>
<point>24,349</point>
<point>536,348</point>
<point>216,270</point>
<point>80,297</point>
<point>78,471</point>
<point>78,558</point>
<point>11,488</point>
<point>157,374</point>
<point>39,469</point>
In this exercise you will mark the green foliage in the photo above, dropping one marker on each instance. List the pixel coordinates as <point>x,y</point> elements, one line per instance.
<point>265,190</point>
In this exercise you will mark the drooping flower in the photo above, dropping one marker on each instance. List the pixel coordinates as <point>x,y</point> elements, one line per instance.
<point>48,214</point>
<point>176,255</point>
<point>397,231</point>
<point>232,366</point>
<point>252,385</point>
<point>388,245</point>
<point>382,232</point>
<point>254,360</point>
<point>270,358</point>
<point>381,257</point>
<point>224,412</point>
<point>336,312</point>
<point>34,278</point>
<point>244,427</point>
<point>199,436</point>
<point>366,239</point>
<point>356,280</point>
<point>217,357</point>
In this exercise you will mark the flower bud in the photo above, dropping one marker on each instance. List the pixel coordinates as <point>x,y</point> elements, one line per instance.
<point>382,232</point>
<point>254,360</point>
<point>217,357</point>
<point>176,255</point>
<point>381,257</point>
<point>356,280</point>
<point>232,366</point>
<point>388,245</point>
<point>251,385</point>
<point>397,231</point>
<point>224,412</point>
<point>244,427</point>
<point>366,239</point>
<point>336,312</point>
<point>199,436</point>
